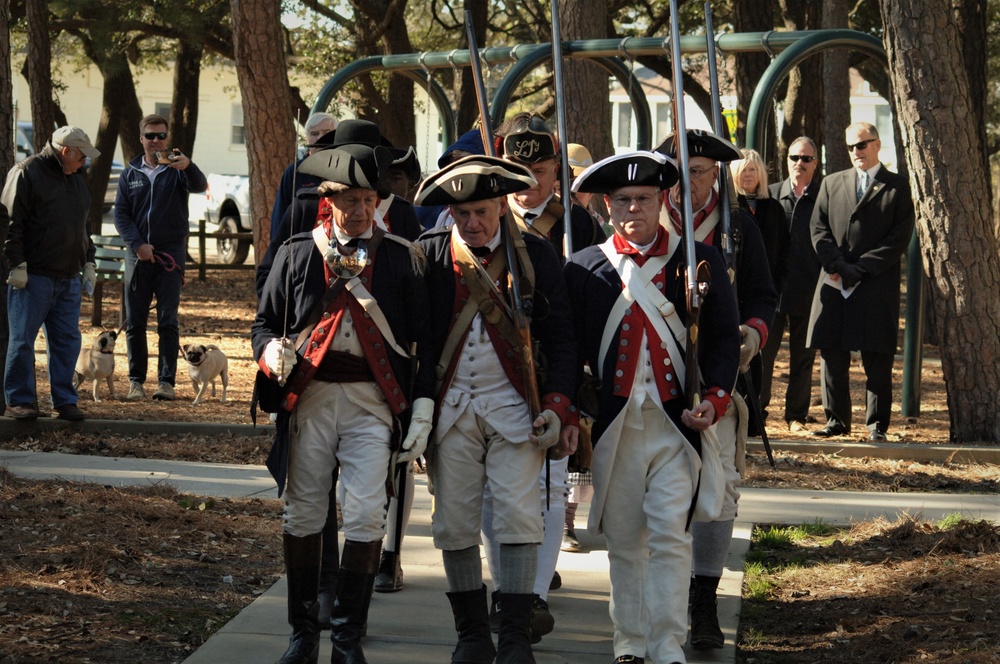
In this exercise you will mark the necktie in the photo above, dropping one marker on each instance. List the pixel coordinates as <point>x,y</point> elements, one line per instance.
<point>862,185</point>
<point>529,217</point>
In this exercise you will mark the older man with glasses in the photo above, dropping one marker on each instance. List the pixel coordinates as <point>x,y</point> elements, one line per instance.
<point>797,195</point>
<point>648,444</point>
<point>860,227</point>
<point>756,299</point>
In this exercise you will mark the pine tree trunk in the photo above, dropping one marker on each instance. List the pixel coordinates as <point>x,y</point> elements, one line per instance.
<point>958,242</point>
<point>184,108</point>
<point>263,76</point>
<point>39,64</point>
<point>585,83</point>
<point>836,90</point>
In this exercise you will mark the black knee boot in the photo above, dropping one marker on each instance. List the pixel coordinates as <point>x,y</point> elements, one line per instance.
<point>330,566</point>
<point>355,583</point>
<point>472,622</point>
<point>302,556</point>
<point>514,642</point>
<point>705,631</point>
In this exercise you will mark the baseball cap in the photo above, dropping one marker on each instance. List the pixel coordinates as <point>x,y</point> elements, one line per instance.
<point>74,137</point>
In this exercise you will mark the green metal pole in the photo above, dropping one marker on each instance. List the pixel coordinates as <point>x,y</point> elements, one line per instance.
<point>913,335</point>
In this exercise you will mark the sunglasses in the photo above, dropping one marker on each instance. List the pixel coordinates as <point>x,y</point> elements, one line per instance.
<point>153,135</point>
<point>861,145</point>
<point>804,158</point>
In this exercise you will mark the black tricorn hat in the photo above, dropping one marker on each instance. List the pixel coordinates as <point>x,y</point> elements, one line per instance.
<point>406,160</point>
<point>702,143</point>
<point>354,165</point>
<point>352,132</point>
<point>473,178</point>
<point>634,169</point>
<point>529,142</point>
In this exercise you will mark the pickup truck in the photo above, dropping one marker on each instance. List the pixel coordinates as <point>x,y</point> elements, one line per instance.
<point>228,207</point>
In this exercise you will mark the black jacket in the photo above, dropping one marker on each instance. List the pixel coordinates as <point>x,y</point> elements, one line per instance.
<point>48,217</point>
<point>801,266</point>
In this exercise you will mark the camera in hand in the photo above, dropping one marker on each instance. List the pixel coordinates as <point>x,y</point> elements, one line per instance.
<point>166,156</point>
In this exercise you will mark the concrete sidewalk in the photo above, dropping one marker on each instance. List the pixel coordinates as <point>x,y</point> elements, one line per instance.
<point>415,626</point>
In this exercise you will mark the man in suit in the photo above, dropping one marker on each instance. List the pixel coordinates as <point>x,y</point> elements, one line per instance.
<point>797,196</point>
<point>860,227</point>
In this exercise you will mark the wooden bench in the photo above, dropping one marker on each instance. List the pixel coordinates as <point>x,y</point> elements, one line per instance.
<point>109,258</point>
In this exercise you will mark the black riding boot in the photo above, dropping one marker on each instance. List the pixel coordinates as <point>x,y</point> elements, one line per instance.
<point>331,560</point>
<point>354,594</point>
<point>514,642</point>
<point>705,631</point>
<point>302,556</point>
<point>472,622</point>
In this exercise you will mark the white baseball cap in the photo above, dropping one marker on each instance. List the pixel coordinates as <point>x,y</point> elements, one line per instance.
<point>74,137</point>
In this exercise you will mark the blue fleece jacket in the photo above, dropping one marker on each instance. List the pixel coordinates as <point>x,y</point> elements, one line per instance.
<point>157,214</point>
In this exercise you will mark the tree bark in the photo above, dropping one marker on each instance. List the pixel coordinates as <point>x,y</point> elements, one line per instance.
<point>258,46</point>
<point>585,85</point>
<point>970,17</point>
<point>803,100</point>
<point>184,107</point>
<point>6,107</point>
<point>836,90</point>
<point>958,242</point>
<point>750,16</point>
<point>39,65</point>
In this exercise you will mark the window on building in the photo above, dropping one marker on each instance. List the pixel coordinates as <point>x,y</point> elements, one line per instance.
<point>162,109</point>
<point>664,122</point>
<point>624,125</point>
<point>239,136</point>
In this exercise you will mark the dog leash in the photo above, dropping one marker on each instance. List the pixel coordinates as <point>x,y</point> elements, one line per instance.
<point>165,261</point>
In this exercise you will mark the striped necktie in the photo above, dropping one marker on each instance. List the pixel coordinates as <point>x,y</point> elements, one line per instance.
<point>862,185</point>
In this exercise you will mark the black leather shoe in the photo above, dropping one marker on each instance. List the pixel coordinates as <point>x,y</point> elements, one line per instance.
<point>629,659</point>
<point>876,436</point>
<point>832,430</point>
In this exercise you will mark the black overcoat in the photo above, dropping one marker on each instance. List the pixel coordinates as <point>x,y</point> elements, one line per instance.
<point>872,233</point>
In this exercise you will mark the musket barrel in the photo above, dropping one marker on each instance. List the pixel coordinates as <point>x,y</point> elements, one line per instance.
<point>557,70</point>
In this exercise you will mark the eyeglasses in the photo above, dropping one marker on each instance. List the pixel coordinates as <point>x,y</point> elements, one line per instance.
<point>642,200</point>
<point>861,145</point>
<point>804,158</point>
<point>153,135</point>
<point>697,173</point>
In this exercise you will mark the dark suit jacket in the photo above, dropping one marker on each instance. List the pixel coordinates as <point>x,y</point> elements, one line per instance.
<point>801,266</point>
<point>872,233</point>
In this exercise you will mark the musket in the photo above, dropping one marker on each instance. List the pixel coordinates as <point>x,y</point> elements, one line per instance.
<point>695,283</point>
<point>727,204</point>
<point>557,71</point>
<point>521,305</point>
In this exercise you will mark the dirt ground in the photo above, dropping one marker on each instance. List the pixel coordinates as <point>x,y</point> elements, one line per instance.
<point>91,573</point>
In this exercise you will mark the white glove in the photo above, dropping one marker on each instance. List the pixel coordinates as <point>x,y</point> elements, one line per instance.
<point>89,277</point>
<point>419,432</point>
<point>749,346</point>
<point>279,357</point>
<point>18,276</point>
<point>550,432</point>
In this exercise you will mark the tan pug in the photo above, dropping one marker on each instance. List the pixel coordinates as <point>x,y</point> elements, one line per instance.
<point>206,364</point>
<point>97,363</point>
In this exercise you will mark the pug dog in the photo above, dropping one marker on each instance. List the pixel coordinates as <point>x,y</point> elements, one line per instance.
<point>97,363</point>
<point>206,364</point>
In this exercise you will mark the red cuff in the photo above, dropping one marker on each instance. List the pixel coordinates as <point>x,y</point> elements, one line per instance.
<point>720,400</point>
<point>760,326</point>
<point>263,367</point>
<point>561,405</point>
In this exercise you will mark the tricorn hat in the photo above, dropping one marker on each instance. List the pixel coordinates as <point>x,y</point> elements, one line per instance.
<point>579,158</point>
<point>528,142</point>
<point>474,178</point>
<point>634,169</point>
<point>354,165</point>
<point>406,160</point>
<point>352,132</point>
<point>702,143</point>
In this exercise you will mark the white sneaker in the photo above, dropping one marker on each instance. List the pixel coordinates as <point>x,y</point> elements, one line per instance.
<point>165,392</point>
<point>135,392</point>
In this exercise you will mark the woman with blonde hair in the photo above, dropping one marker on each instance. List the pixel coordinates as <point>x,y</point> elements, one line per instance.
<point>750,180</point>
